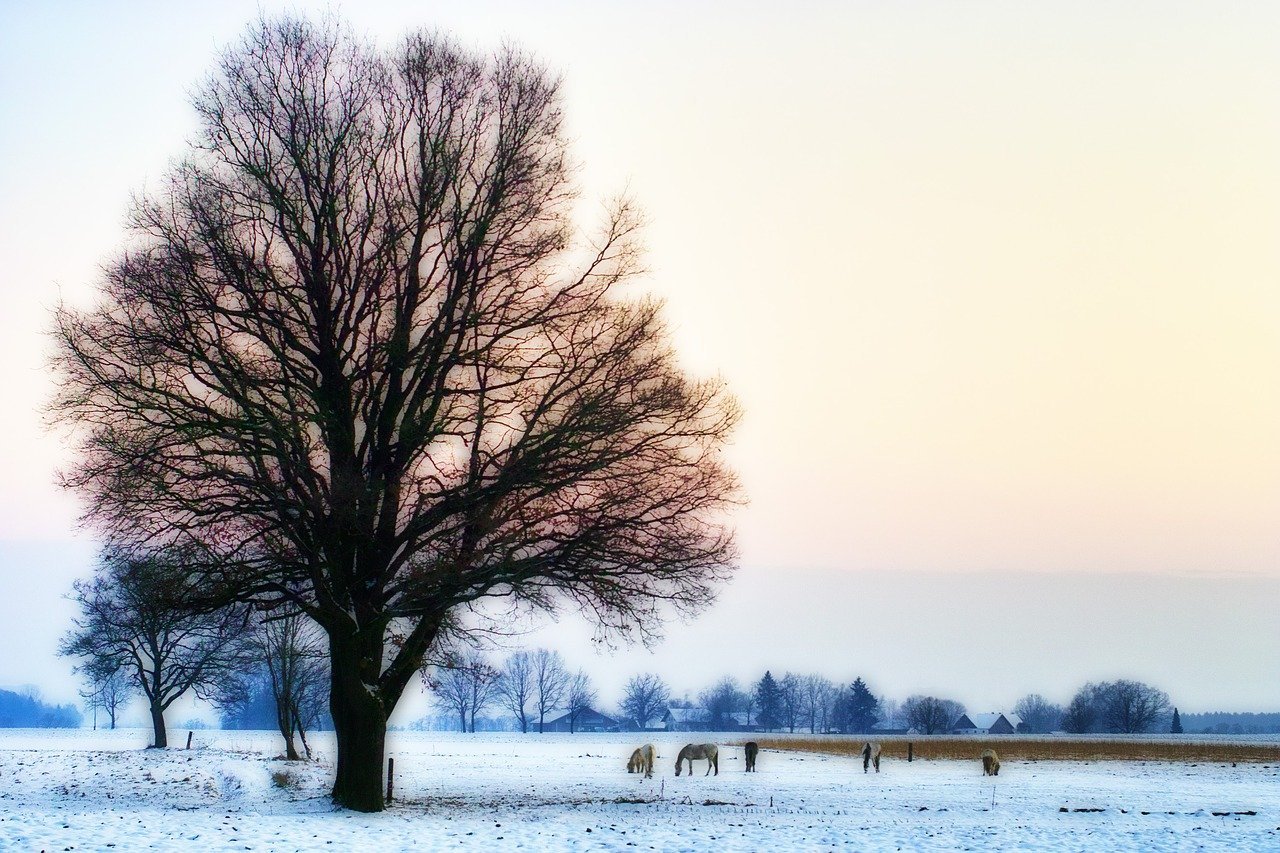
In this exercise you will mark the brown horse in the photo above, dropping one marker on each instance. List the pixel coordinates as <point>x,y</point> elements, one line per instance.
<point>990,763</point>
<point>702,751</point>
<point>870,755</point>
<point>642,759</point>
<point>752,749</point>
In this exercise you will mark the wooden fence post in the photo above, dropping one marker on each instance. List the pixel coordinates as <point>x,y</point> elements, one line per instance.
<point>391,768</point>
<point>909,750</point>
<point>189,734</point>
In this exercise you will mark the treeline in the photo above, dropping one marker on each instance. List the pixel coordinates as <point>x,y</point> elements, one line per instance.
<point>1227,723</point>
<point>25,710</point>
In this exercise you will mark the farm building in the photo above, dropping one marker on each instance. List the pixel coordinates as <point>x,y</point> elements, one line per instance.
<point>701,720</point>
<point>987,724</point>
<point>589,720</point>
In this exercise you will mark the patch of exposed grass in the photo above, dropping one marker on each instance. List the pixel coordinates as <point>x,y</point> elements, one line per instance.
<point>286,780</point>
<point>1031,748</point>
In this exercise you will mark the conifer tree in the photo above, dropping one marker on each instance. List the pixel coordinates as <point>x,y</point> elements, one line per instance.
<point>863,707</point>
<point>769,701</point>
<point>1176,728</point>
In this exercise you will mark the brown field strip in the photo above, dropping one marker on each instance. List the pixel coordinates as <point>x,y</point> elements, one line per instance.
<point>1031,748</point>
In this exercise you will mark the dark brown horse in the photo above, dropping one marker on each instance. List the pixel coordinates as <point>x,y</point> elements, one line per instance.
<point>752,749</point>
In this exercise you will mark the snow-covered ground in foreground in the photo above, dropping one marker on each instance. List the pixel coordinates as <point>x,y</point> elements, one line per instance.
<point>68,790</point>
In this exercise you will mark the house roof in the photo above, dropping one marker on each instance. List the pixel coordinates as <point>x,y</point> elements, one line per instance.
<point>986,721</point>
<point>586,714</point>
<point>688,715</point>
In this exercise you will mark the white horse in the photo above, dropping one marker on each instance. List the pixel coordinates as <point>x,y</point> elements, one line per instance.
<point>642,759</point>
<point>870,755</point>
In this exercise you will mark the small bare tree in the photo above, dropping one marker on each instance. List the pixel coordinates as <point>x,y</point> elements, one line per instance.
<point>550,681</point>
<point>466,685</point>
<point>791,700</point>
<point>109,688</point>
<point>722,701</point>
<point>645,698</point>
<point>298,668</point>
<point>815,695</point>
<point>516,687</point>
<point>132,618</point>
<point>580,697</point>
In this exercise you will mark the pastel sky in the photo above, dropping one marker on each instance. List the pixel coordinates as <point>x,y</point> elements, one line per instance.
<point>998,285</point>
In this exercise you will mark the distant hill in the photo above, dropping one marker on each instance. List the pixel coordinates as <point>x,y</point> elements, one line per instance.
<point>27,711</point>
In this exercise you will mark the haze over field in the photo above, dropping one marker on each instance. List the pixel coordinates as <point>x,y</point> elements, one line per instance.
<point>996,285</point>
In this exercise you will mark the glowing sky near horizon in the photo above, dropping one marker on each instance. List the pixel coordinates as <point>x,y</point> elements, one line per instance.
<point>998,284</point>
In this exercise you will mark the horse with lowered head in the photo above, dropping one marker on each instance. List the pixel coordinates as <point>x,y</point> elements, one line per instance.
<point>642,759</point>
<point>990,763</point>
<point>708,752</point>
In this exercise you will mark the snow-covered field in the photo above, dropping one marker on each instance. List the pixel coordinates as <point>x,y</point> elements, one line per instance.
<point>67,790</point>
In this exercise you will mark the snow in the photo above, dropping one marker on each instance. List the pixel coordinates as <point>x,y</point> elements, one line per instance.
<point>83,790</point>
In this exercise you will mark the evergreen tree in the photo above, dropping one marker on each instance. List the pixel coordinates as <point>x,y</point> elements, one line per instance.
<point>863,708</point>
<point>769,702</point>
<point>1176,728</point>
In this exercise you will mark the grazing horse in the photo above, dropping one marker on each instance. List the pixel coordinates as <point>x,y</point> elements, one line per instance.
<point>642,759</point>
<point>708,751</point>
<point>870,756</point>
<point>752,749</point>
<point>990,763</point>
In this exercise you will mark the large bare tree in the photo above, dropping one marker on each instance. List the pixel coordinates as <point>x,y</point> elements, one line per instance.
<point>358,350</point>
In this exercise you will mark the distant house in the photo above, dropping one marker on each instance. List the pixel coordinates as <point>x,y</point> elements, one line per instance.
<point>687,720</point>
<point>589,720</point>
<point>987,724</point>
<point>701,720</point>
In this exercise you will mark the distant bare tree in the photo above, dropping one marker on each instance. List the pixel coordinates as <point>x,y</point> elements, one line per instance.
<point>580,697</point>
<point>890,712</point>
<point>1082,714</point>
<point>550,681</point>
<point>827,702</point>
<point>790,699</point>
<point>645,698</point>
<point>1131,707</point>
<point>109,688</point>
<point>931,715</point>
<point>465,685</point>
<point>296,663</point>
<point>516,687</point>
<point>815,697</point>
<point>1038,713</point>
<point>360,351</point>
<point>132,619</point>
<point>724,700</point>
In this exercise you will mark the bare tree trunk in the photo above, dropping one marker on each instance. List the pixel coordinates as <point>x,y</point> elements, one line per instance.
<point>360,724</point>
<point>302,733</point>
<point>157,723</point>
